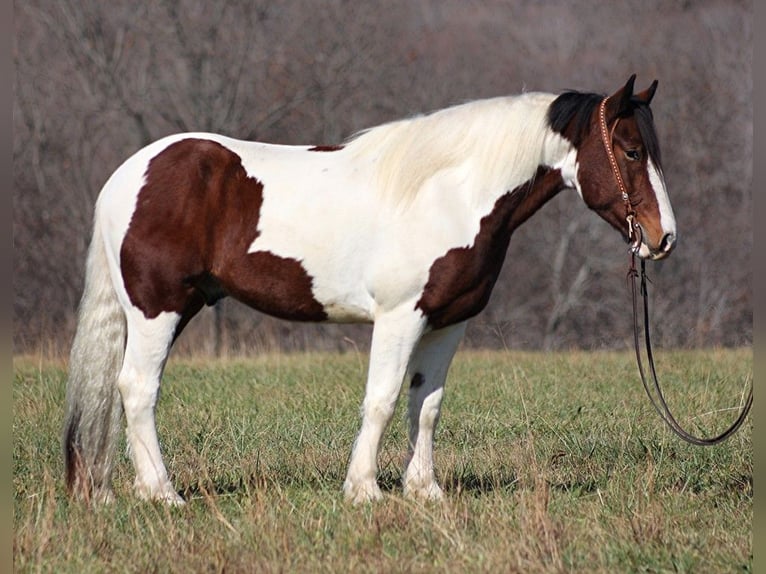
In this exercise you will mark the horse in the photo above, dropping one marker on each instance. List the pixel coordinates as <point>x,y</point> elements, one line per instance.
<point>405,225</point>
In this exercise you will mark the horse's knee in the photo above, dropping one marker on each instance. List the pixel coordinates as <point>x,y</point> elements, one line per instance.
<point>138,393</point>
<point>378,410</point>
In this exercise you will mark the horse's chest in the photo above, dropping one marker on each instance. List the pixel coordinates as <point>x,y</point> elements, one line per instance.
<point>460,281</point>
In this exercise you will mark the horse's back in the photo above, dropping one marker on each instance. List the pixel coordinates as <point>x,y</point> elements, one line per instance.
<point>297,232</point>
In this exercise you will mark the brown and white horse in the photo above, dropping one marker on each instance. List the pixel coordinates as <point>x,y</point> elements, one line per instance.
<point>405,226</point>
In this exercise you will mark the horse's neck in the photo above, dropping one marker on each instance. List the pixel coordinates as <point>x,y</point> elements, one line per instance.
<point>545,166</point>
<point>555,172</point>
<point>533,194</point>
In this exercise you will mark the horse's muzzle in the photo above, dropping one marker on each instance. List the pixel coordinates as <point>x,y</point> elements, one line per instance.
<point>667,243</point>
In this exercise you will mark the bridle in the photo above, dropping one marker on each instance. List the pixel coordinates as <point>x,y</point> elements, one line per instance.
<point>634,234</point>
<point>634,229</point>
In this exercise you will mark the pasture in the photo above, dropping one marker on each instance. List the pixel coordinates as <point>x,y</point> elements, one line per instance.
<point>550,463</point>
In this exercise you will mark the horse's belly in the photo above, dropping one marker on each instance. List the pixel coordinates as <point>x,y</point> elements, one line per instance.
<point>333,257</point>
<point>342,312</point>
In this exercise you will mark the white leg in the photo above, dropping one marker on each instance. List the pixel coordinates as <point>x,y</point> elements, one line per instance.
<point>147,348</point>
<point>394,336</point>
<point>427,372</point>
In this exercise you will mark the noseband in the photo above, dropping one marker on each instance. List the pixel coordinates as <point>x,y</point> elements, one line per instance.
<point>634,235</point>
<point>634,229</point>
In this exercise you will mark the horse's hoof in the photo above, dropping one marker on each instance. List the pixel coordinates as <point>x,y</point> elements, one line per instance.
<point>362,493</point>
<point>164,494</point>
<point>171,499</point>
<point>427,493</point>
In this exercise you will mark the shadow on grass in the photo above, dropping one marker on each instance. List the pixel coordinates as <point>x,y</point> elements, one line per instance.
<point>390,481</point>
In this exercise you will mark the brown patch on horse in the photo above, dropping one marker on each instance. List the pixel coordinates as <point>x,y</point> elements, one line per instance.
<point>326,148</point>
<point>600,189</point>
<point>186,245</point>
<point>461,281</point>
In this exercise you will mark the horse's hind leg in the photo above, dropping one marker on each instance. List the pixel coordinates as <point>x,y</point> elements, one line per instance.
<point>394,337</point>
<point>148,344</point>
<point>427,372</point>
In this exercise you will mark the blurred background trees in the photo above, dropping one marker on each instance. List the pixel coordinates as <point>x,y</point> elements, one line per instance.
<point>95,81</point>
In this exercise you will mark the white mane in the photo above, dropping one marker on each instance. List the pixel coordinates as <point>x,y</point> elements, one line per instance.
<point>500,140</point>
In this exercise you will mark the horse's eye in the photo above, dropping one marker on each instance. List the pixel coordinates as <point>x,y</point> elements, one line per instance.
<point>633,154</point>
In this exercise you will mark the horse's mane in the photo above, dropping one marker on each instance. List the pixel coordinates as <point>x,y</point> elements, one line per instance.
<point>645,121</point>
<point>499,140</point>
<point>574,107</point>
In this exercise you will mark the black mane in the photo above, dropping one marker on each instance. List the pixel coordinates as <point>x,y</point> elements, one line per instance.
<point>574,107</point>
<point>645,121</point>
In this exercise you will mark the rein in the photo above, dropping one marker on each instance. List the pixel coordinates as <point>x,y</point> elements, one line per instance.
<point>634,234</point>
<point>659,404</point>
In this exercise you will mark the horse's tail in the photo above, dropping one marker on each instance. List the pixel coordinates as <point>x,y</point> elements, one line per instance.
<point>93,404</point>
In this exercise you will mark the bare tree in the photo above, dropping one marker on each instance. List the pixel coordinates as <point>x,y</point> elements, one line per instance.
<point>94,82</point>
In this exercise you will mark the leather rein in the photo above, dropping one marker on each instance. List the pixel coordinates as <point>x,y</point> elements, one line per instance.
<point>635,236</point>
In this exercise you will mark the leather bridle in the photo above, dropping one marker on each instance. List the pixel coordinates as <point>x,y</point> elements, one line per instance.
<point>634,229</point>
<point>634,234</point>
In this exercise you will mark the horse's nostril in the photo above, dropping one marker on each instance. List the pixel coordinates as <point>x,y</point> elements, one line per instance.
<point>668,241</point>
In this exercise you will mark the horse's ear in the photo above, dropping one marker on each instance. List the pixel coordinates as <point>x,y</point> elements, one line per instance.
<point>647,95</point>
<point>619,102</point>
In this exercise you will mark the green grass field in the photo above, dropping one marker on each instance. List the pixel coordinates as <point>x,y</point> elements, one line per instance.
<point>549,462</point>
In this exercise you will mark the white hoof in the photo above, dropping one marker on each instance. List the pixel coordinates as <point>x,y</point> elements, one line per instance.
<point>430,492</point>
<point>171,499</point>
<point>164,494</point>
<point>361,493</point>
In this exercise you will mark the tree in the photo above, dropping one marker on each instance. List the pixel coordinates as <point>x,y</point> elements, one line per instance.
<point>95,82</point>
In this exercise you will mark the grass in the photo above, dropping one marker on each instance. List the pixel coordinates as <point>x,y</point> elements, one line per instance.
<point>550,463</point>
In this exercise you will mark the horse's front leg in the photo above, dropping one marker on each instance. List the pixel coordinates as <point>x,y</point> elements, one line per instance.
<point>394,337</point>
<point>427,372</point>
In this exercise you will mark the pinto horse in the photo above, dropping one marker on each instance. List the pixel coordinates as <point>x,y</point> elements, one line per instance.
<point>405,226</point>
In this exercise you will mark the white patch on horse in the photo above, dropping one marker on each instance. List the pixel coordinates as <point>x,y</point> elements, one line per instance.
<point>367,254</point>
<point>667,218</point>
<point>560,154</point>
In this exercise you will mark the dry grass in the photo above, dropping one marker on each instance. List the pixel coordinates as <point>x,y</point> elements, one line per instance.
<point>551,463</point>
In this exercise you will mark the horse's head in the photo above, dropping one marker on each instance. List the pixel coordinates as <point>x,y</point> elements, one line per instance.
<point>619,174</point>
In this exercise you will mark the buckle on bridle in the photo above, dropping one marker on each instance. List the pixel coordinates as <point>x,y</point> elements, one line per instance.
<point>634,233</point>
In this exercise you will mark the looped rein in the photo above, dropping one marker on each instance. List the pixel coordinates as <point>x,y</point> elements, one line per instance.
<point>634,234</point>
<point>659,404</point>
